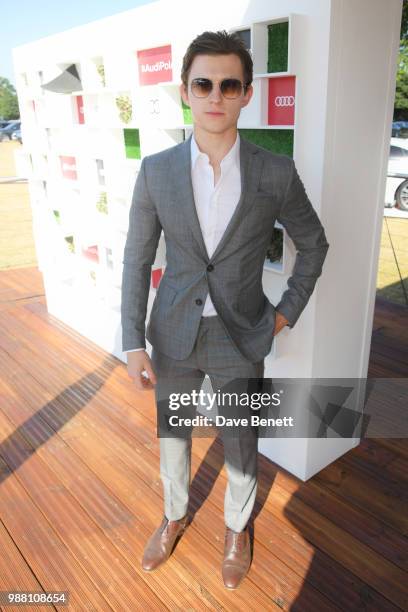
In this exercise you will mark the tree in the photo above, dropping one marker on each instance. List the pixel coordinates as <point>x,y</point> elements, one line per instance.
<point>401,92</point>
<point>404,22</point>
<point>8,100</point>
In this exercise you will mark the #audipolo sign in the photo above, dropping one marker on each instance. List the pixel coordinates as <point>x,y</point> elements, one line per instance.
<point>281,101</point>
<point>155,65</point>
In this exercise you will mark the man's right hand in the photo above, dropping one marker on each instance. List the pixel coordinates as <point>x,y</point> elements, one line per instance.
<point>137,362</point>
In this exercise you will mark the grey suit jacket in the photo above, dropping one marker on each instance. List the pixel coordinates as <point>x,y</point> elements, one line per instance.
<point>163,199</point>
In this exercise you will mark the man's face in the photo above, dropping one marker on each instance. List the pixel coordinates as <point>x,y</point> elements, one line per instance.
<point>215,114</point>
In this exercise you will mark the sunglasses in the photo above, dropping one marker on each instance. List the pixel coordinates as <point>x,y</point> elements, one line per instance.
<point>230,88</point>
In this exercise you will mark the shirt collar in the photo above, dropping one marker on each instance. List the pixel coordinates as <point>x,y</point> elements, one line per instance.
<point>231,157</point>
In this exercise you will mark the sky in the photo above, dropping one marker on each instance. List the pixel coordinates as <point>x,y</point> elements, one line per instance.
<point>29,20</point>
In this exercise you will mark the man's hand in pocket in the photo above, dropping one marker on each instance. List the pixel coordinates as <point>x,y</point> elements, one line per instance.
<point>280,322</point>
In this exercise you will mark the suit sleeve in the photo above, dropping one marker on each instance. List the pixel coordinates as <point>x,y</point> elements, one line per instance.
<point>302,224</point>
<point>139,255</point>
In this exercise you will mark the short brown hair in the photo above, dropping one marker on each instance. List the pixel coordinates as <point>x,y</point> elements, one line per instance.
<point>218,43</point>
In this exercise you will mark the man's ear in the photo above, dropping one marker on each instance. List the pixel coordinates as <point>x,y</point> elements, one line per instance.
<point>184,94</point>
<point>248,96</point>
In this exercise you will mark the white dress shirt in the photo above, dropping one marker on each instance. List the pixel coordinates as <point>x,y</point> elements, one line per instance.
<point>215,204</point>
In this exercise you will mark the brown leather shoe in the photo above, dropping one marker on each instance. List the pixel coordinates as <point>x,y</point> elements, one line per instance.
<point>237,557</point>
<point>161,543</point>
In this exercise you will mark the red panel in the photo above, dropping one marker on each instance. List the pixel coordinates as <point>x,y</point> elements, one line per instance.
<point>155,65</point>
<point>156,277</point>
<point>68,167</point>
<point>80,109</point>
<point>281,100</point>
<point>91,253</point>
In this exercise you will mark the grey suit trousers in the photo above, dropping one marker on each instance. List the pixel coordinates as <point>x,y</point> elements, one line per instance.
<point>213,354</point>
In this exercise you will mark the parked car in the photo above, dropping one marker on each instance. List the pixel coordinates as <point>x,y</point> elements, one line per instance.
<point>17,136</point>
<point>400,129</point>
<point>396,192</point>
<point>7,131</point>
<point>3,123</point>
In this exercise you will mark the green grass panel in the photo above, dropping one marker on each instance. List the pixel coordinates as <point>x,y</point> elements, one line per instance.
<point>132,143</point>
<point>188,118</point>
<point>277,141</point>
<point>278,38</point>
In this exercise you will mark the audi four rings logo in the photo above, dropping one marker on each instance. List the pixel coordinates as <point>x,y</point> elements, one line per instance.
<point>284,101</point>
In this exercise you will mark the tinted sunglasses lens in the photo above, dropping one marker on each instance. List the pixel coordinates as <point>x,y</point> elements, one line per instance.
<point>231,88</point>
<point>201,87</point>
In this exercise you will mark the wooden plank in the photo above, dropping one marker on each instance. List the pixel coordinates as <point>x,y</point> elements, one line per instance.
<point>51,561</point>
<point>380,500</point>
<point>390,344</point>
<point>16,574</point>
<point>396,368</point>
<point>392,465</point>
<point>389,357</point>
<point>389,340</point>
<point>377,371</point>
<point>396,445</point>
<point>20,283</point>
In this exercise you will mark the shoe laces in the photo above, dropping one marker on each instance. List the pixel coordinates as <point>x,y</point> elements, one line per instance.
<point>238,539</point>
<point>166,523</point>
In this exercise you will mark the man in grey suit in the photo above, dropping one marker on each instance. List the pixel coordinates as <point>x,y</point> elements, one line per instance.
<point>216,197</point>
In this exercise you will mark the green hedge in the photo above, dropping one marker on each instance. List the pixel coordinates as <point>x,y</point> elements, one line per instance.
<point>277,141</point>
<point>132,143</point>
<point>278,37</point>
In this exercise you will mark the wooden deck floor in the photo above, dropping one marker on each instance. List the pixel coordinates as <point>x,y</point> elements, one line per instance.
<point>80,489</point>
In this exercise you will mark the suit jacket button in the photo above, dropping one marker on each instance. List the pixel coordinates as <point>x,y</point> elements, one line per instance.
<point>210,267</point>
<point>199,302</point>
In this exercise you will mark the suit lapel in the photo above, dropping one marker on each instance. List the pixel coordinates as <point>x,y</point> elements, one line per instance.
<point>250,166</point>
<point>183,193</point>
